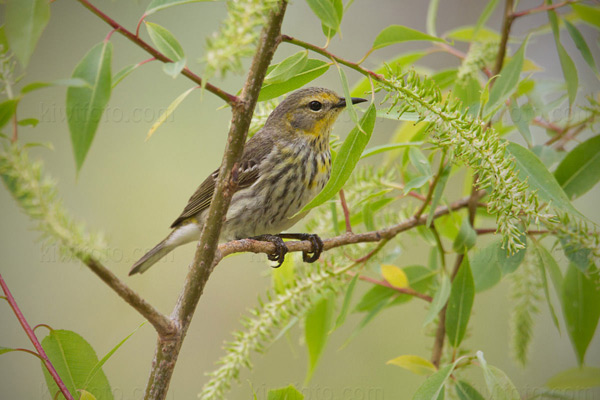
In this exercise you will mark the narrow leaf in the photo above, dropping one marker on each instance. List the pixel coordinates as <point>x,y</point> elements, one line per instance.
<point>569,72</point>
<point>460,303</point>
<point>4,350</point>
<point>348,155</point>
<point>163,117</point>
<point>578,378</point>
<point>589,14</point>
<point>7,110</point>
<point>349,106</point>
<point>582,45</point>
<point>24,23</point>
<point>398,33</point>
<point>465,391</point>
<point>415,364</point>
<point>485,15</point>
<point>74,359</point>
<point>485,267</point>
<point>346,304</point>
<point>466,237</point>
<point>521,117</point>
<point>439,299</point>
<point>371,151</point>
<point>85,105</point>
<point>316,328</point>
<point>433,387</point>
<point>165,42</point>
<point>499,385</point>
<point>437,193</point>
<point>70,82</point>
<point>581,309</point>
<point>539,178</point>
<point>123,73</point>
<point>431,16</point>
<point>507,82</point>
<point>579,171</point>
<point>288,68</point>
<point>157,5</point>
<point>311,71</point>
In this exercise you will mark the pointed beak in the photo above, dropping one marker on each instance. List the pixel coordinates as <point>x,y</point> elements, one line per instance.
<point>355,100</point>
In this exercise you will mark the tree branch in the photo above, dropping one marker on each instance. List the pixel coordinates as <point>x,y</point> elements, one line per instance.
<point>167,350</point>
<point>40,350</point>
<point>229,98</point>
<point>163,324</point>
<point>407,290</point>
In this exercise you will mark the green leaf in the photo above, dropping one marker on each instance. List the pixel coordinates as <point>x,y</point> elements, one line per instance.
<point>74,359</point>
<point>431,16</point>
<point>552,267</point>
<point>508,262</point>
<point>415,364</point>
<point>579,378</point>
<point>7,110</point>
<point>579,171</point>
<point>284,276</point>
<point>70,82</point>
<point>485,15</point>
<point>398,33</point>
<point>371,151</point>
<point>569,72</point>
<point>468,34</point>
<point>157,5</point>
<point>577,254</point>
<point>466,237</point>
<point>434,385</point>
<point>589,14</point>
<point>521,117</point>
<point>165,42</point>
<point>507,82</point>
<point>349,106</point>
<point>499,385</point>
<point>581,309</point>
<point>85,395</point>
<point>419,161</point>
<point>539,178</point>
<point>288,68</point>
<point>325,10</point>
<point>439,299</point>
<point>374,297</point>
<point>485,268</point>
<point>85,105</point>
<point>581,44</point>
<point>123,73</point>
<point>163,117</point>
<point>348,155</point>
<point>4,350</point>
<point>465,391</point>
<point>460,303</point>
<point>98,367</point>
<point>346,304</point>
<point>316,328</point>
<point>286,393</point>
<point>311,71</point>
<point>469,94</point>
<point>338,5</point>
<point>24,22</point>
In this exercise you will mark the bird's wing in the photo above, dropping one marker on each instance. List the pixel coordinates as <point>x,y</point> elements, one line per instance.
<point>247,173</point>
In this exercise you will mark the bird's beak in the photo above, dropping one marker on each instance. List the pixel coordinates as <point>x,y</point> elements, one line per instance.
<point>355,100</point>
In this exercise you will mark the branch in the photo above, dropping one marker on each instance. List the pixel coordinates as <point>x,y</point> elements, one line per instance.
<point>164,325</point>
<point>542,8</point>
<point>204,262</point>
<point>506,25</point>
<point>229,98</point>
<point>254,246</point>
<point>40,350</point>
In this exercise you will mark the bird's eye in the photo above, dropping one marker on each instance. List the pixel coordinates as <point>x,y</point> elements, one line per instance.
<point>315,105</point>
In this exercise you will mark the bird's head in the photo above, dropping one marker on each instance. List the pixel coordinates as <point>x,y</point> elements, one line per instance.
<point>311,111</point>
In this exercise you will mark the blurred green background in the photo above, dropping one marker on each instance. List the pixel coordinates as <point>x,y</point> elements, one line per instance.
<point>132,190</point>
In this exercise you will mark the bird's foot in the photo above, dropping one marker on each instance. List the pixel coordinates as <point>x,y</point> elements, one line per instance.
<point>280,248</point>
<point>315,240</point>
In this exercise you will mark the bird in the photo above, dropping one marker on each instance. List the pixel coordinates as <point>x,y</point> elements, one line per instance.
<point>283,166</point>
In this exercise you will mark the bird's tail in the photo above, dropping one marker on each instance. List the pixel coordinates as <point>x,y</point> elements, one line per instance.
<point>151,257</point>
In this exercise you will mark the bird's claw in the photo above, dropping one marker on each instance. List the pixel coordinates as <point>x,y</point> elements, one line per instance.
<point>280,248</point>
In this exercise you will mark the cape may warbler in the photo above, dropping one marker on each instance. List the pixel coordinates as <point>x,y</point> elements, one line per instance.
<point>284,165</point>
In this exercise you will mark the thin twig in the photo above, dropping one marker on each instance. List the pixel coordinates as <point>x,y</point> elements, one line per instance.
<point>229,98</point>
<point>346,211</point>
<point>34,340</point>
<point>541,8</point>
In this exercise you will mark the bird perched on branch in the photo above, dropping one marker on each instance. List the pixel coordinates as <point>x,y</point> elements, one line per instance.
<point>284,165</point>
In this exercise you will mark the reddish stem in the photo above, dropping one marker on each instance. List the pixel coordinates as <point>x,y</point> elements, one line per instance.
<point>409,291</point>
<point>541,8</point>
<point>346,211</point>
<point>34,340</point>
<point>15,135</point>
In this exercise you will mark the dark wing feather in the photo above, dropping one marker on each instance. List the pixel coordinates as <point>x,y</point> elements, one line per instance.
<point>255,152</point>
